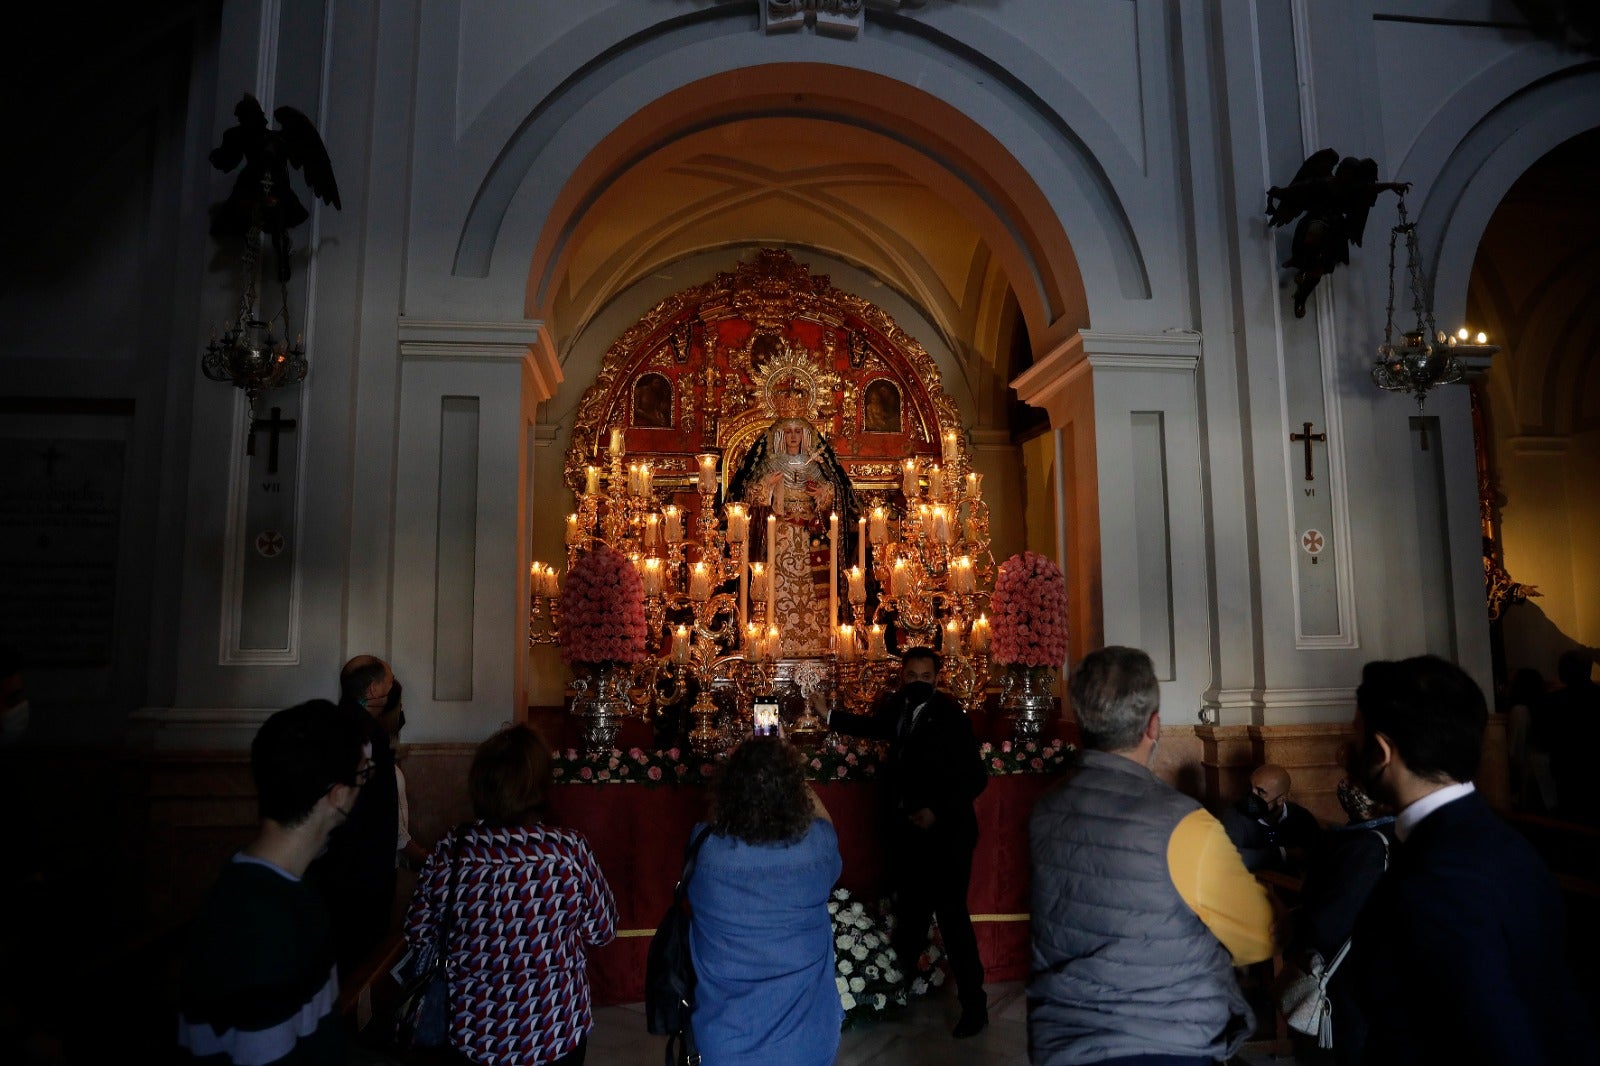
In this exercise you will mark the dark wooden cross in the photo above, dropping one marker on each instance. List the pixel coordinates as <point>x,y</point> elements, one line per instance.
<point>274,425</point>
<point>1308,437</point>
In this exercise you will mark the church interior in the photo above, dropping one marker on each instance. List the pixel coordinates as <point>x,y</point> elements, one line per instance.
<point>1022,246</point>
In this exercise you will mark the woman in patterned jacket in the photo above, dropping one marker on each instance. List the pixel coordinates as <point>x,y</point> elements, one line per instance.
<point>528,901</point>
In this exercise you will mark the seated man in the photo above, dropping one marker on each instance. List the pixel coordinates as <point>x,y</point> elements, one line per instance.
<point>258,981</point>
<point>1270,832</point>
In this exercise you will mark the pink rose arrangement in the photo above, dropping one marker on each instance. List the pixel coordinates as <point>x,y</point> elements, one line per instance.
<point>1030,612</point>
<point>602,610</point>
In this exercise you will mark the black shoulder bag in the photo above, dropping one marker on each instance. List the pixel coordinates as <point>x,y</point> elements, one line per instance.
<point>669,970</point>
<point>423,1017</point>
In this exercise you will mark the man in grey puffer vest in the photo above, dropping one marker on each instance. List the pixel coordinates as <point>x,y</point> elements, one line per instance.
<point>1141,904</point>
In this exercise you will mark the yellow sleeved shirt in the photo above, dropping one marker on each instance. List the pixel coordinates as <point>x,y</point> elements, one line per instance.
<point>1206,870</point>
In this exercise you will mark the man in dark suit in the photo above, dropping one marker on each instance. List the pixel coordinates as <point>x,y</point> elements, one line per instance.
<point>1460,955</point>
<point>932,776</point>
<point>356,874</point>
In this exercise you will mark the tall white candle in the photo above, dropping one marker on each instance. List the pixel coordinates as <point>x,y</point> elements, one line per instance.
<point>772,558</point>
<point>861,542</point>
<point>833,569</point>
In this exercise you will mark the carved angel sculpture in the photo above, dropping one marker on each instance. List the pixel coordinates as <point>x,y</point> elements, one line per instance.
<point>1334,197</point>
<point>262,195</point>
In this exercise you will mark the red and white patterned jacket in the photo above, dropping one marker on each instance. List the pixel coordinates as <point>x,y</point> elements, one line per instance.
<point>528,901</point>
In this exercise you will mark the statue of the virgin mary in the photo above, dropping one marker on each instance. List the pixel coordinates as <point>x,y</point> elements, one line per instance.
<point>792,473</point>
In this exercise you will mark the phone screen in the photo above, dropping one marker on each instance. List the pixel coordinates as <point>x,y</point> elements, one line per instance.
<point>765,718</point>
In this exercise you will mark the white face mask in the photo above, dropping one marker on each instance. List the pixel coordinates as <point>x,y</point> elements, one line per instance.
<point>14,723</point>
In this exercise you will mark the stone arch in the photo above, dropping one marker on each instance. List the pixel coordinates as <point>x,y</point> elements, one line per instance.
<point>538,178</point>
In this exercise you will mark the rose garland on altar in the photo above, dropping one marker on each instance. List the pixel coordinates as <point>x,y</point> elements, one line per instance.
<point>1030,612</point>
<point>846,760</point>
<point>602,610</point>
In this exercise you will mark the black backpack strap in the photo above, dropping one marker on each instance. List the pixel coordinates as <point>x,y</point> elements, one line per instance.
<point>689,856</point>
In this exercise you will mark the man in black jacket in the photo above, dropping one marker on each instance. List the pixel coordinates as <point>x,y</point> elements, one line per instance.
<point>1460,955</point>
<point>933,774</point>
<point>356,874</point>
<point>1271,831</point>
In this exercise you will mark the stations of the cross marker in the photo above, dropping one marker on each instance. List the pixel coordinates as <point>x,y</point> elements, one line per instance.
<point>1308,437</point>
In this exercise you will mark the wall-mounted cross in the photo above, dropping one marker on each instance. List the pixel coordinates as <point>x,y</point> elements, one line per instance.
<point>1308,437</point>
<point>274,425</point>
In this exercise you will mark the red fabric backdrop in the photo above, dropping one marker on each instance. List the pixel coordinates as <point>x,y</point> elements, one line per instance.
<point>638,835</point>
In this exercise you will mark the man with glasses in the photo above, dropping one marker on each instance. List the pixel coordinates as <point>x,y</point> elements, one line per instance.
<point>259,984</point>
<point>356,875</point>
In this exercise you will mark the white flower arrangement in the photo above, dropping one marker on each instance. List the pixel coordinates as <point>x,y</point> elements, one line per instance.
<point>869,977</point>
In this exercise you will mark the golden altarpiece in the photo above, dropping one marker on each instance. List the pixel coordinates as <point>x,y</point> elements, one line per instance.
<point>783,466</point>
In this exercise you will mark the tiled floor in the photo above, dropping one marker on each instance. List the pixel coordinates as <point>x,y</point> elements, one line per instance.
<point>918,1035</point>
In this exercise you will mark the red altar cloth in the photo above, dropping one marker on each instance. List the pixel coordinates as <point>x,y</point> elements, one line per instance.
<point>638,836</point>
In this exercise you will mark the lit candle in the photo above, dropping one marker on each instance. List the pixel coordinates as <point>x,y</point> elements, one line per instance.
<point>617,445</point>
<point>858,585</point>
<point>879,530</point>
<point>908,479</point>
<point>699,583</point>
<point>591,480</point>
<point>1483,338</point>
<point>875,648</point>
<point>980,636</point>
<point>752,641</point>
<point>952,637</point>
<point>758,582</point>
<point>633,479</point>
<point>744,586</point>
<point>652,530</point>
<point>647,479</point>
<point>861,542</point>
<point>774,646</point>
<point>941,523</point>
<point>974,486</point>
<point>738,523</point>
<point>708,473</point>
<point>952,447</point>
<point>672,524</point>
<point>651,576</point>
<point>935,482</point>
<point>574,531</point>
<point>1462,333</point>
<point>847,644</point>
<point>899,579</point>
<point>680,645</point>
<point>772,557</point>
<point>833,568</point>
<point>952,528</point>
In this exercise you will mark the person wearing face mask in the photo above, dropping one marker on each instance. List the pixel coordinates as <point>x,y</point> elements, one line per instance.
<point>1340,875</point>
<point>1270,831</point>
<point>1141,907</point>
<point>1460,954</point>
<point>932,776</point>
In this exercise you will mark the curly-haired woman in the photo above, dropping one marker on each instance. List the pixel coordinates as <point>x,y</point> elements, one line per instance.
<point>529,900</point>
<point>761,937</point>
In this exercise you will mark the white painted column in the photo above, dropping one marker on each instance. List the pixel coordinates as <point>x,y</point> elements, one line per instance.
<point>468,395</point>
